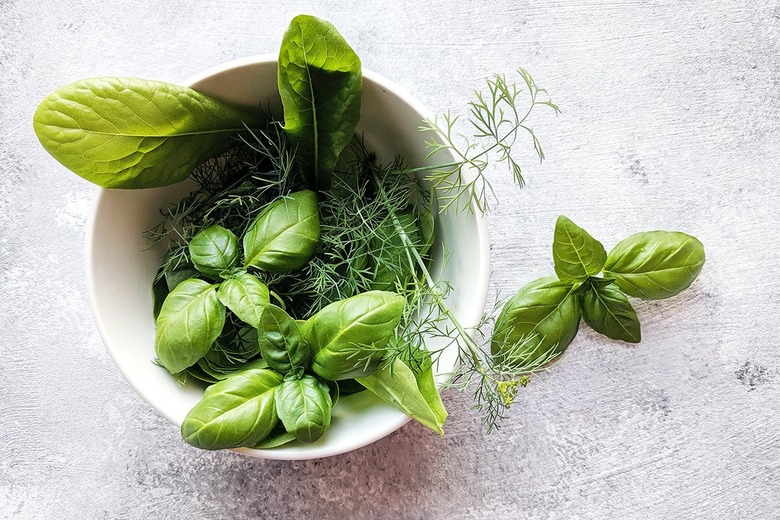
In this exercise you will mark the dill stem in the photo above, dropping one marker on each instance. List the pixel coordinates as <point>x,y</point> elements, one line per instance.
<point>473,348</point>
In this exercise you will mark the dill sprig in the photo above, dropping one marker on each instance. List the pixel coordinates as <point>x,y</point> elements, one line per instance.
<point>496,123</point>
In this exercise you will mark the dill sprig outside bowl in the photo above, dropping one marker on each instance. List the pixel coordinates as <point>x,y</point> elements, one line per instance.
<point>123,257</point>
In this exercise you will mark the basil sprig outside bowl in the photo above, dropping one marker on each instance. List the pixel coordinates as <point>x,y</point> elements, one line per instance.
<point>121,266</point>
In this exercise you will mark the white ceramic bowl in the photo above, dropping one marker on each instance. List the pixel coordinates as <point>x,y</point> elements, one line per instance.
<point>120,265</point>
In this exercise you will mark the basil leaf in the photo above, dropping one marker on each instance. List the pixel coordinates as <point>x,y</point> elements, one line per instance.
<point>279,437</point>
<point>280,341</point>
<point>284,236</point>
<point>607,310</point>
<point>427,230</point>
<point>214,250</point>
<point>655,264</point>
<point>238,411</point>
<point>321,84</point>
<point>349,336</point>
<point>190,320</point>
<point>176,275</point>
<point>542,316</point>
<point>414,393</point>
<point>304,407</point>
<point>577,255</point>
<point>135,133</point>
<point>391,264</point>
<point>246,296</point>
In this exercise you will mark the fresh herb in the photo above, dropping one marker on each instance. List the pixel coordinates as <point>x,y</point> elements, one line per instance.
<point>321,83</point>
<point>135,133</point>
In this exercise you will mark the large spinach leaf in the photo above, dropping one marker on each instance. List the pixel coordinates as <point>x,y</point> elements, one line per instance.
<point>284,236</point>
<point>238,411</point>
<point>246,296</point>
<point>607,310</point>
<point>135,133</point>
<point>349,336</point>
<point>321,84</point>
<point>655,264</point>
<point>304,407</point>
<point>190,320</point>
<point>543,316</point>
<point>577,255</point>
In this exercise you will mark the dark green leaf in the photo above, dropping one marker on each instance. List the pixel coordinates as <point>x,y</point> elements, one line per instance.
<point>542,317</point>
<point>190,321</point>
<point>246,296</point>
<point>607,310</point>
<point>348,337</point>
<point>281,342</point>
<point>214,251</point>
<point>284,236</point>
<point>304,407</point>
<point>135,133</point>
<point>238,411</point>
<point>279,437</point>
<point>655,264</point>
<point>577,255</point>
<point>321,85</point>
<point>159,293</point>
<point>175,276</point>
<point>426,224</point>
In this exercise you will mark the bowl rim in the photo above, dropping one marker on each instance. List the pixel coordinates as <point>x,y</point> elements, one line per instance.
<point>483,243</point>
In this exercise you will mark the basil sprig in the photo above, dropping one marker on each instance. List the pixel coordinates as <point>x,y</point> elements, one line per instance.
<point>543,317</point>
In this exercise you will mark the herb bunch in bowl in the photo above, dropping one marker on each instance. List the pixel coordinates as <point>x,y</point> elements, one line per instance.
<point>298,270</point>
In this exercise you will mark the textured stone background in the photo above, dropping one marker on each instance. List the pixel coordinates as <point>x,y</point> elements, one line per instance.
<point>671,120</point>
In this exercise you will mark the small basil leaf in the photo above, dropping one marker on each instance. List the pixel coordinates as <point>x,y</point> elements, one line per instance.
<point>349,336</point>
<point>280,341</point>
<point>542,317</point>
<point>304,407</point>
<point>279,437</point>
<point>135,133</point>
<point>214,250</point>
<point>238,411</point>
<point>159,293</point>
<point>190,320</point>
<point>176,275</point>
<point>427,226</point>
<point>284,236</point>
<point>607,310</point>
<point>246,296</point>
<point>577,255</point>
<point>321,85</point>
<point>655,264</point>
<point>414,393</point>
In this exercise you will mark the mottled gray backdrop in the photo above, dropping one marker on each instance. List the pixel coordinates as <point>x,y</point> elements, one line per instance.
<point>671,120</point>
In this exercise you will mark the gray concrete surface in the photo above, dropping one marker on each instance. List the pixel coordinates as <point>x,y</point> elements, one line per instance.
<point>671,120</point>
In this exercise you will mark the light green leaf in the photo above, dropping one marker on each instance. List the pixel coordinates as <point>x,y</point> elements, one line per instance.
<point>655,264</point>
<point>135,133</point>
<point>190,320</point>
<point>542,317</point>
<point>321,84</point>
<point>284,236</point>
<point>349,336</point>
<point>238,411</point>
<point>577,255</point>
<point>214,250</point>
<point>607,310</point>
<point>246,296</point>
<point>391,264</point>
<point>304,407</point>
<point>414,393</point>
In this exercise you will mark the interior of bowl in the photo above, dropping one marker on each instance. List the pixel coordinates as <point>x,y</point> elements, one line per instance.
<point>121,266</point>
